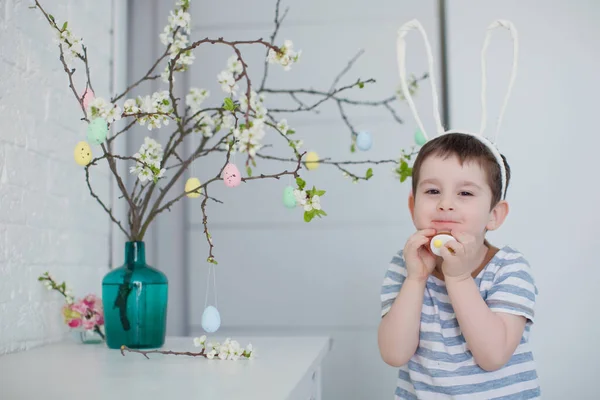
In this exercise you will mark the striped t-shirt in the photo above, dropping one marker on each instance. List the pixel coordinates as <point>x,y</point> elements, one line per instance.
<point>442,367</point>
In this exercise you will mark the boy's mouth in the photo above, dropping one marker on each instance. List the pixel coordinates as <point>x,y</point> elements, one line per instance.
<point>444,223</point>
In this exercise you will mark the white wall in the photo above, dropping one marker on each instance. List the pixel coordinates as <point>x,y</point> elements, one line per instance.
<point>278,275</point>
<point>48,220</point>
<point>550,138</point>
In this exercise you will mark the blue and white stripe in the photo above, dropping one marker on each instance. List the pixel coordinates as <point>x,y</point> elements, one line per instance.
<point>443,367</point>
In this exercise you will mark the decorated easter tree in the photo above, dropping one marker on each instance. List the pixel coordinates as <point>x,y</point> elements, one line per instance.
<point>233,122</point>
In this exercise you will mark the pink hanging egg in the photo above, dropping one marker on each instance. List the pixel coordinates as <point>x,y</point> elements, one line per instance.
<point>231,175</point>
<point>87,98</point>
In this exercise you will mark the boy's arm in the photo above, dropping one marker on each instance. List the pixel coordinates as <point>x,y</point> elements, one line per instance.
<point>398,334</point>
<point>491,337</point>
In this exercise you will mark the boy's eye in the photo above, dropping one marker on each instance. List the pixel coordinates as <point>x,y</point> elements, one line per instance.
<point>432,191</point>
<point>466,193</point>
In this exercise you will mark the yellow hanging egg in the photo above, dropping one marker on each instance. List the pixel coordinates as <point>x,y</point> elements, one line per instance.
<point>191,184</point>
<point>82,154</point>
<point>311,160</point>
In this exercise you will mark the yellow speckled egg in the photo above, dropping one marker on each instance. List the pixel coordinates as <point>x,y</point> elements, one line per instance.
<point>191,184</point>
<point>311,160</point>
<point>82,154</point>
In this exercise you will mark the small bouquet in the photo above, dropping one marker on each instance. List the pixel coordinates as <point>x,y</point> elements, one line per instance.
<point>86,313</point>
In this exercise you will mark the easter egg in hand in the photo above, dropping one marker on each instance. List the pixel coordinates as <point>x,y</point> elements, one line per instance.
<point>364,141</point>
<point>231,175</point>
<point>438,241</point>
<point>289,200</point>
<point>311,160</point>
<point>82,154</point>
<point>211,319</point>
<point>191,184</point>
<point>97,130</point>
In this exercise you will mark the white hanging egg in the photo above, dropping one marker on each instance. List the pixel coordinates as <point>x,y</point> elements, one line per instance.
<point>211,319</point>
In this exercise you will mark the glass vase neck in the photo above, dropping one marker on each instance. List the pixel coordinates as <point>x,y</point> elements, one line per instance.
<point>135,253</point>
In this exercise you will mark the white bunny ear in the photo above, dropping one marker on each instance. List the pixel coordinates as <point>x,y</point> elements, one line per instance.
<point>401,53</point>
<point>513,31</point>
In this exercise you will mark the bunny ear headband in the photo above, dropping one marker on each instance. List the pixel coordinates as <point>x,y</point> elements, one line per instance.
<point>490,143</point>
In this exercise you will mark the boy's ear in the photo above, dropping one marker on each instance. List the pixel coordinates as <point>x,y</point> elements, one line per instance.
<point>498,215</point>
<point>411,205</point>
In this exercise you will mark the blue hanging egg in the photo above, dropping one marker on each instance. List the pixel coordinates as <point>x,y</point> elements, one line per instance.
<point>289,200</point>
<point>364,141</point>
<point>211,319</point>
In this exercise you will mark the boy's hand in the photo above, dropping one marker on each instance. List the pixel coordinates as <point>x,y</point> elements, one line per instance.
<point>420,262</point>
<point>460,256</point>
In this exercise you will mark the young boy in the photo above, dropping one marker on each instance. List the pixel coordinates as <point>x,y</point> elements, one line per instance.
<point>458,324</point>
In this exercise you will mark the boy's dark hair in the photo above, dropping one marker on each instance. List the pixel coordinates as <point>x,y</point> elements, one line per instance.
<point>466,148</point>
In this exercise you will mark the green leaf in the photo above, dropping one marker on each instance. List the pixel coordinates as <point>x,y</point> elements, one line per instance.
<point>361,85</point>
<point>300,182</point>
<point>228,104</point>
<point>309,215</point>
<point>211,260</point>
<point>353,148</point>
<point>290,132</point>
<point>369,173</point>
<point>321,212</point>
<point>65,25</point>
<point>403,178</point>
<point>51,17</point>
<point>320,193</point>
<point>249,171</point>
<point>403,165</point>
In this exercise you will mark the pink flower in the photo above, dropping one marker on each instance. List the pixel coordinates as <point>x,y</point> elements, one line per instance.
<point>75,323</point>
<point>86,313</point>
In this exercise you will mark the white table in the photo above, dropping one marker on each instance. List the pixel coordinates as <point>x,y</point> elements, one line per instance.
<point>285,368</point>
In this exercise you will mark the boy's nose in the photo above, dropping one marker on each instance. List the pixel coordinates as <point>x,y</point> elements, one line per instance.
<point>445,205</point>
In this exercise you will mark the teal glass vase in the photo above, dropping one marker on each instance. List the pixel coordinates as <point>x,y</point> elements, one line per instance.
<point>135,298</point>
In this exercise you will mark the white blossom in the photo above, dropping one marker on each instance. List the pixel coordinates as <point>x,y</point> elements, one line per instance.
<point>99,107</point>
<point>199,341</point>
<point>256,103</point>
<point>249,139</point>
<point>195,98</point>
<point>158,104</point>
<point>72,47</point>
<point>234,65</point>
<point>148,166</point>
<point>287,56</point>
<point>227,81</point>
<point>211,354</point>
<point>176,35</point>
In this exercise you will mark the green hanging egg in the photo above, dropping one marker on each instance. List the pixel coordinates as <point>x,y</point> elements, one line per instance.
<point>97,130</point>
<point>420,138</point>
<point>289,200</point>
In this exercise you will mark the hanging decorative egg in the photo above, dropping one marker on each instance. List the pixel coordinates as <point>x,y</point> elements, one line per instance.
<point>311,160</point>
<point>364,141</point>
<point>191,184</point>
<point>97,130</point>
<point>82,154</point>
<point>231,175</point>
<point>211,319</point>
<point>289,200</point>
<point>87,97</point>
<point>420,138</point>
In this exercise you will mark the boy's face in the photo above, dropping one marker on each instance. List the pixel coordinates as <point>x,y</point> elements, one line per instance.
<point>450,196</point>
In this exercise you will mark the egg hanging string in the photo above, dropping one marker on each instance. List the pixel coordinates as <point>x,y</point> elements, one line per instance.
<point>212,268</point>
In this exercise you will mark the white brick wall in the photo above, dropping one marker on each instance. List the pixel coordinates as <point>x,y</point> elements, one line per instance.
<point>48,220</point>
